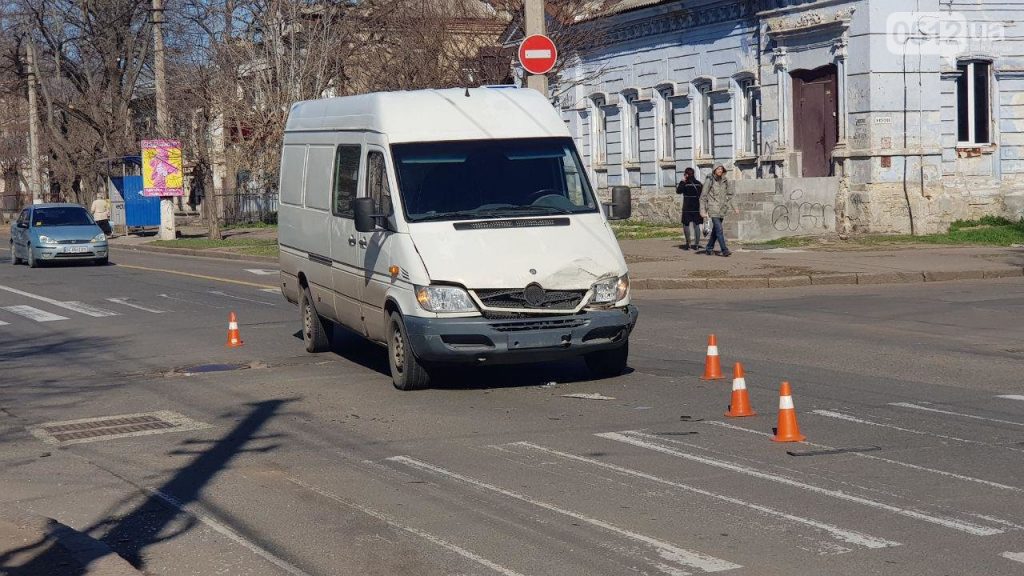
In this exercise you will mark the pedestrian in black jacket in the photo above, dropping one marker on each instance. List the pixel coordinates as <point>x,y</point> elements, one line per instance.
<point>690,188</point>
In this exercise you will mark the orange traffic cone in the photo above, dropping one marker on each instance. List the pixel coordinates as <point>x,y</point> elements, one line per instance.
<point>234,338</point>
<point>788,430</point>
<point>712,364</point>
<point>740,406</point>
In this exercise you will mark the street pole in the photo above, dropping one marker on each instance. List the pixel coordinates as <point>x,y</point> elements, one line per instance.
<point>167,228</point>
<point>534,18</point>
<point>34,180</point>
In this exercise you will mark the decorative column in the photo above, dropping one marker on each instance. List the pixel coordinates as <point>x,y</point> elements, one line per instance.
<point>841,49</point>
<point>781,61</point>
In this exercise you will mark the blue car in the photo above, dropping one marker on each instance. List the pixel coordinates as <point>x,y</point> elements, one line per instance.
<point>54,232</point>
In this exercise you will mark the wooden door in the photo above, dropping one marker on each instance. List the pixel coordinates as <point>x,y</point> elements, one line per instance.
<point>816,118</point>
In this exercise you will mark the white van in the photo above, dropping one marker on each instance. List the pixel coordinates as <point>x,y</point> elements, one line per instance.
<point>453,226</point>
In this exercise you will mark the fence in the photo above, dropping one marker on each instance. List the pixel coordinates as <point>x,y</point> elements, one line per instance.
<point>250,207</point>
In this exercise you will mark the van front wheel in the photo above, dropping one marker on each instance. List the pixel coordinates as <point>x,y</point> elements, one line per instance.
<point>314,331</point>
<point>608,363</point>
<point>406,371</point>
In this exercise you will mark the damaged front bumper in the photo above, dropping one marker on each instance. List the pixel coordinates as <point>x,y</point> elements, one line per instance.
<point>484,341</point>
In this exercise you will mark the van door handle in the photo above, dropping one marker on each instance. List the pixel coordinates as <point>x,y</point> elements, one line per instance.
<point>352,240</point>
<point>362,242</point>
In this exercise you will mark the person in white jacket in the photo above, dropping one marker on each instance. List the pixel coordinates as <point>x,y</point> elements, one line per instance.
<point>101,213</point>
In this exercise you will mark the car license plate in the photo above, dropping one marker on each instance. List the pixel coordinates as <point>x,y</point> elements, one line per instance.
<point>76,249</point>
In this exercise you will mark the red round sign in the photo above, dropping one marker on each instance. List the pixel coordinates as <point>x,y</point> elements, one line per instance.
<point>537,54</point>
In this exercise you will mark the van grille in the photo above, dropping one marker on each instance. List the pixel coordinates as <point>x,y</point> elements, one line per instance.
<point>515,299</point>
<point>549,324</point>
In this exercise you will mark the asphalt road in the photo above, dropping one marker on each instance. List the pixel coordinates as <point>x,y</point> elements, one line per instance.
<point>314,465</point>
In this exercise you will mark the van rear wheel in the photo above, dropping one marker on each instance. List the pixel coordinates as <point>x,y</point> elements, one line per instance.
<point>406,371</point>
<point>608,363</point>
<point>314,331</point>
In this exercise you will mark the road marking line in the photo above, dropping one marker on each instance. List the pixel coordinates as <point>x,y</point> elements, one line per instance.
<point>635,438</point>
<point>192,275</point>
<point>125,302</point>
<point>1015,556</point>
<point>271,290</point>
<point>1011,396</point>
<point>226,295</point>
<point>2,323</point>
<point>927,409</point>
<point>73,306</point>
<point>261,271</point>
<point>848,418</point>
<point>667,551</point>
<point>34,313</point>
<point>190,302</point>
<point>880,459</point>
<point>90,310</point>
<point>415,531</point>
<point>230,534</point>
<point>853,537</point>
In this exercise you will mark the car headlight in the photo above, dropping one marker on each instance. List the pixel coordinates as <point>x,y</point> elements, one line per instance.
<point>46,240</point>
<point>101,237</point>
<point>611,291</point>
<point>444,299</point>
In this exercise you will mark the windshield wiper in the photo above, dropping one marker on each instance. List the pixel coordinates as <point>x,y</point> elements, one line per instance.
<point>529,208</point>
<point>459,215</point>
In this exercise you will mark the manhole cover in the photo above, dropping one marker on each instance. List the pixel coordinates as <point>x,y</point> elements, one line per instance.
<point>110,427</point>
<point>204,368</point>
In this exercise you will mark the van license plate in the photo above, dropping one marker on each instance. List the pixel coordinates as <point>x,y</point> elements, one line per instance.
<point>76,249</point>
<point>530,340</point>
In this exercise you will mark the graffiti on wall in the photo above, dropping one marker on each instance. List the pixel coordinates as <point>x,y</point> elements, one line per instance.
<point>798,213</point>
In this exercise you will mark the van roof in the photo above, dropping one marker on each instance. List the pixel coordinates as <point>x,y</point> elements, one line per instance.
<point>433,115</point>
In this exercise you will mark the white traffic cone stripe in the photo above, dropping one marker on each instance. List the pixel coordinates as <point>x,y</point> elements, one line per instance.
<point>712,350</point>
<point>232,325</point>
<point>739,383</point>
<point>785,402</point>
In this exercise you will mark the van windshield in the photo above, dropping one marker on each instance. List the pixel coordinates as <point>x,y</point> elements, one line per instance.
<point>480,179</point>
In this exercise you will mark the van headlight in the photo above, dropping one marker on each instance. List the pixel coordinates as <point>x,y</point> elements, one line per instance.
<point>611,291</point>
<point>444,299</point>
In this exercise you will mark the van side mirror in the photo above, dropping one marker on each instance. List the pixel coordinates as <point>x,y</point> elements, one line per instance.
<point>22,224</point>
<point>621,206</point>
<point>366,220</point>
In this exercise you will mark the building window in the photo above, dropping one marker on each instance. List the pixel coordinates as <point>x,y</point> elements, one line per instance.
<point>705,121</point>
<point>974,103</point>
<point>631,129</point>
<point>667,128</point>
<point>749,107</point>
<point>599,134</point>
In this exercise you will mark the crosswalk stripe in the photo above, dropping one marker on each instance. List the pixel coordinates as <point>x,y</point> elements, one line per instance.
<point>854,419</point>
<point>1011,397</point>
<point>34,313</point>
<point>261,271</point>
<point>880,459</point>
<point>1015,556</point>
<point>850,536</point>
<point>125,302</point>
<point>89,310</point>
<point>950,413</point>
<point>73,306</point>
<point>233,297</point>
<point>2,323</point>
<point>668,552</point>
<point>642,440</point>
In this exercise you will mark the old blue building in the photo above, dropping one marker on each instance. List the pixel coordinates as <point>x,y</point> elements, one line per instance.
<point>831,115</point>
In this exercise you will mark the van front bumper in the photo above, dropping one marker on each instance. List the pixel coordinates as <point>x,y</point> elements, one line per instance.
<point>541,339</point>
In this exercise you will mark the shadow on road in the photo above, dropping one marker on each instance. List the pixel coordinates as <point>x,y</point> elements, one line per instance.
<point>158,517</point>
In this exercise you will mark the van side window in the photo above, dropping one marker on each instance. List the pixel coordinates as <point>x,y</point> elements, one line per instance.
<point>346,179</point>
<point>377,182</point>
<point>23,218</point>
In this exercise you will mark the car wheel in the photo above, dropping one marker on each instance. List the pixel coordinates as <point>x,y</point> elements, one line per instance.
<point>14,255</point>
<point>608,363</point>
<point>314,331</point>
<point>32,262</point>
<point>406,371</point>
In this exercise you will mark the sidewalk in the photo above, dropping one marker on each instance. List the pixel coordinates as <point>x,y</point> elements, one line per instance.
<point>660,264</point>
<point>33,545</point>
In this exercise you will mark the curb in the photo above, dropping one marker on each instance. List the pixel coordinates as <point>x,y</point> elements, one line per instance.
<point>862,278</point>
<point>214,254</point>
<point>94,556</point>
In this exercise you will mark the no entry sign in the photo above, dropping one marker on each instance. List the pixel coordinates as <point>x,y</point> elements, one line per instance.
<point>537,54</point>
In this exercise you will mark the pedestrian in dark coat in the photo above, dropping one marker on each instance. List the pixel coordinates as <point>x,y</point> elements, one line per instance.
<point>690,188</point>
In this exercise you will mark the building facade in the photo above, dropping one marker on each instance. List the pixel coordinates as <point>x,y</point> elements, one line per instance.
<point>830,115</point>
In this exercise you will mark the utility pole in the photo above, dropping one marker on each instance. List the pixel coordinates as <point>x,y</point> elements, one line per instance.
<point>535,24</point>
<point>167,228</point>
<point>34,180</point>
